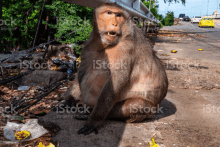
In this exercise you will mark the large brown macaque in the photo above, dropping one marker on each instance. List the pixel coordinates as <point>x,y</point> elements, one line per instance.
<point>120,76</point>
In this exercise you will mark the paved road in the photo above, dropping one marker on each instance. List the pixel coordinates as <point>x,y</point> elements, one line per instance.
<point>212,33</point>
<point>187,47</point>
<point>189,27</point>
<point>194,85</point>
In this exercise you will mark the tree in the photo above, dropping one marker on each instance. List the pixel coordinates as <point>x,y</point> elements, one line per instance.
<point>71,17</point>
<point>170,1</point>
<point>153,8</point>
<point>15,32</point>
<point>169,19</point>
<point>63,18</point>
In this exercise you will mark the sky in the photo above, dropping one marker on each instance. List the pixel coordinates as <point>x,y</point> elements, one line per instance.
<point>191,8</point>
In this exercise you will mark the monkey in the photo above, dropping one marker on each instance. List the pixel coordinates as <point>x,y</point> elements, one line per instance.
<point>120,75</point>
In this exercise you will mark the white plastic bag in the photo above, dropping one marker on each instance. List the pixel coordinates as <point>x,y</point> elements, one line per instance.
<point>31,126</point>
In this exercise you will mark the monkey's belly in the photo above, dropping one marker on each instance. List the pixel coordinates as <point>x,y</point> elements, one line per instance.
<point>91,87</point>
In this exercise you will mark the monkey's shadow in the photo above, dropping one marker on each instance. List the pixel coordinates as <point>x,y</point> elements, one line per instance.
<point>167,108</point>
<point>111,134</point>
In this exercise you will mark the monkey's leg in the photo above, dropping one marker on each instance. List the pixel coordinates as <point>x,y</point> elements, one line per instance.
<point>131,110</point>
<point>106,100</point>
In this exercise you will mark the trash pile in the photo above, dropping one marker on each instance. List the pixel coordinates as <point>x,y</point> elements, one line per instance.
<point>30,86</point>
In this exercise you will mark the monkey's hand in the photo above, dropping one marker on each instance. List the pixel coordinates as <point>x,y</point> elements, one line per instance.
<point>89,127</point>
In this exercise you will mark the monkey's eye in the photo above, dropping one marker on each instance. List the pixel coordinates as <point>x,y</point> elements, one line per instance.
<point>109,12</point>
<point>118,14</point>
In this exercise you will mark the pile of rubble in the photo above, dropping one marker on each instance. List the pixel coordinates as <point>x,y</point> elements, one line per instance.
<point>30,85</point>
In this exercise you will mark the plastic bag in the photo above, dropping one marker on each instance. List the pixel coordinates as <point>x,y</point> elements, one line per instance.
<point>31,126</point>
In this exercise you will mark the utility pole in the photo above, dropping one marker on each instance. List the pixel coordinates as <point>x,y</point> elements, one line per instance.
<point>207,7</point>
<point>217,5</point>
<point>1,3</point>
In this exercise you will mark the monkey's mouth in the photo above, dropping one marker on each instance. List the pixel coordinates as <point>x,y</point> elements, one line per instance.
<point>112,34</point>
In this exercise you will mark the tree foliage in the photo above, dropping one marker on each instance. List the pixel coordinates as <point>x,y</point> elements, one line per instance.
<point>169,19</point>
<point>71,17</point>
<point>176,1</point>
<point>18,32</point>
<point>63,18</point>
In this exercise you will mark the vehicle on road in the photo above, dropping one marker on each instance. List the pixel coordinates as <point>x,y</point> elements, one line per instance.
<point>186,18</point>
<point>206,22</point>
<point>196,19</point>
<point>181,17</point>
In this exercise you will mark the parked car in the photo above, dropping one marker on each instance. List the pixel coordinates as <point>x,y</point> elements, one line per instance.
<point>196,19</point>
<point>206,22</point>
<point>181,17</point>
<point>186,18</point>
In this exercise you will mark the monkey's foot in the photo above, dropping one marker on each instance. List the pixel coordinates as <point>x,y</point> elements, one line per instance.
<point>89,128</point>
<point>136,118</point>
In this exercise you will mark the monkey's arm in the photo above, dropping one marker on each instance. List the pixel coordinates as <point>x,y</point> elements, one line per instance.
<point>105,102</point>
<point>71,96</point>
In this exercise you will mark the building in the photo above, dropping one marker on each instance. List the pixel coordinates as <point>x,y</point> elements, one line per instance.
<point>215,15</point>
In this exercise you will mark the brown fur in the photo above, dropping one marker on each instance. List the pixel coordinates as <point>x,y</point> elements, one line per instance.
<point>112,91</point>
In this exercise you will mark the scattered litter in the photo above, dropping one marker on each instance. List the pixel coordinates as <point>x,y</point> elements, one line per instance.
<point>63,65</point>
<point>159,50</point>
<point>54,102</point>
<point>69,71</point>
<point>23,88</point>
<point>153,143</point>
<point>21,135</point>
<point>164,55</point>
<point>16,118</point>
<point>41,145</point>
<point>31,126</point>
<point>72,45</point>
<point>78,59</point>
<point>173,51</point>
<point>200,49</point>
<point>71,56</point>
<point>62,88</point>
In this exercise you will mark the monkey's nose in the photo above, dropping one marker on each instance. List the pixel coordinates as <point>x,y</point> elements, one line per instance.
<point>115,24</point>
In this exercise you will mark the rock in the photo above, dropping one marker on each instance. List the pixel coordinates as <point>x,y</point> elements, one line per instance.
<point>40,78</point>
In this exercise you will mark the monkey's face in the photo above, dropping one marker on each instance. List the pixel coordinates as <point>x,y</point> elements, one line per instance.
<point>110,20</point>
